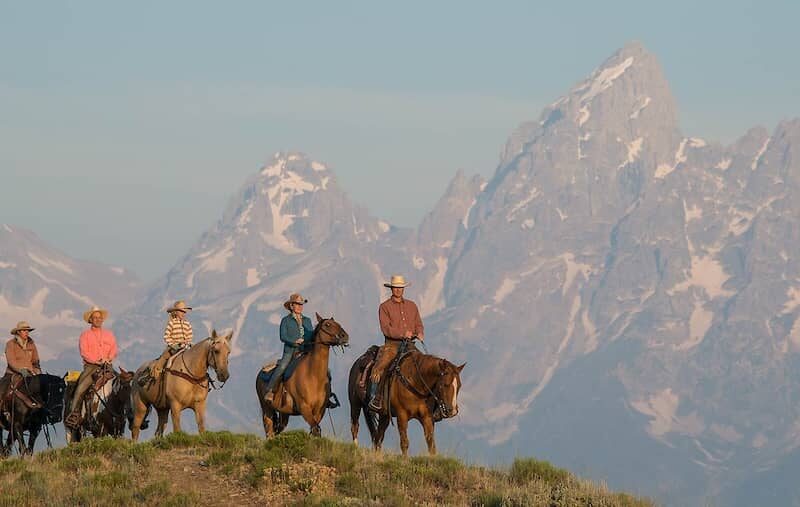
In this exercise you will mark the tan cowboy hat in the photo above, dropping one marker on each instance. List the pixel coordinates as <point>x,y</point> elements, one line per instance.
<point>179,306</point>
<point>22,326</point>
<point>397,281</point>
<point>87,314</point>
<point>294,298</point>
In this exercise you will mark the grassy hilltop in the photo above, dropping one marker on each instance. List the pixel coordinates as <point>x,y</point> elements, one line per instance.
<point>293,469</point>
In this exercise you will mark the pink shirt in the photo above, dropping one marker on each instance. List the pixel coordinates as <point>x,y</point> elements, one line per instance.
<point>98,345</point>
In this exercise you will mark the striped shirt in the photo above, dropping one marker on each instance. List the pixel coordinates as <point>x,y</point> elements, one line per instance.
<point>178,332</point>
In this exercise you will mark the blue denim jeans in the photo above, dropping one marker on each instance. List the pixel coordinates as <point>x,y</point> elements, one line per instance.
<point>286,358</point>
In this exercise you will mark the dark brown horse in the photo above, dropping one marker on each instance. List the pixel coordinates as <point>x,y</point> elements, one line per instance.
<point>36,402</point>
<point>425,388</point>
<point>307,391</point>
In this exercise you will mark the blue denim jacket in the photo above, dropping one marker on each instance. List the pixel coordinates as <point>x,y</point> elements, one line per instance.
<point>290,332</point>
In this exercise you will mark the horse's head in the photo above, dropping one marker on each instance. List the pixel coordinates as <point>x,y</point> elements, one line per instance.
<point>219,348</point>
<point>447,387</point>
<point>330,332</point>
<point>121,390</point>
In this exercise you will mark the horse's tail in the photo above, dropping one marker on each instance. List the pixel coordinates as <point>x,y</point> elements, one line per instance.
<point>358,403</point>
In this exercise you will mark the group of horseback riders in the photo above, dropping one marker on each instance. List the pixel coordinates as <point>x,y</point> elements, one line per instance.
<point>399,319</point>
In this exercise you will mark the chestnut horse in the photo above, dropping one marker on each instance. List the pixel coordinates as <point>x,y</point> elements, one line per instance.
<point>307,391</point>
<point>424,388</point>
<point>184,384</point>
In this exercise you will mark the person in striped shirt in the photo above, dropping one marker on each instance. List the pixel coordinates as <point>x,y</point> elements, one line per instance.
<point>177,335</point>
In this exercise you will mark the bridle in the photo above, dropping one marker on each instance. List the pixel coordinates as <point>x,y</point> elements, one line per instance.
<point>428,392</point>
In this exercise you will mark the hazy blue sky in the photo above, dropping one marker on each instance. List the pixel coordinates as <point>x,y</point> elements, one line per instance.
<point>125,127</point>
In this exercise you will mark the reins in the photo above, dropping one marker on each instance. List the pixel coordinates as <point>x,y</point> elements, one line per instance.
<point>407,383</point>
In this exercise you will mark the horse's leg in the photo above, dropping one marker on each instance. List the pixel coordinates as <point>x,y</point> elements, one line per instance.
<point>139,413</point>
<point>175,410</point>
<point>32,436</point>
<point>266,417</point>
<point>355,413</point>
<point>427,427</point>
<point>308,414</point>
<point>380,432</point>
<point>200,415</point>
<point>163,414</point>
<point>402,428</point>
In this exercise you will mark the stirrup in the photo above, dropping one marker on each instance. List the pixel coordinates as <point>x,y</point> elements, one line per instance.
<point>333,401</point>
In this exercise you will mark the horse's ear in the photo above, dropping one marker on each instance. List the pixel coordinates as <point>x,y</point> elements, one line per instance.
<point>319,319</point>
<point>459,368</point>
<point>213,333</point>
<point>229,336</point>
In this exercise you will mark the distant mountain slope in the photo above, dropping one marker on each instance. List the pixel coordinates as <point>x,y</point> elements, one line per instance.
<point>51,290</point>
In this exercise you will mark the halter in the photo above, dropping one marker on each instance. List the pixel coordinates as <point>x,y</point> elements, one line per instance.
<point>211,361</point>
<point>337,337</point>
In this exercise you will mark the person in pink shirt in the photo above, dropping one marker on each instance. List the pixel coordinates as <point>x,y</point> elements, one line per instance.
<point>98,347</point>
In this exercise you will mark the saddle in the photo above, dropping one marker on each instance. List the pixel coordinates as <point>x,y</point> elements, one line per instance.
<point>268,369</point>
<point>100,377</point>
<point>15,392</point>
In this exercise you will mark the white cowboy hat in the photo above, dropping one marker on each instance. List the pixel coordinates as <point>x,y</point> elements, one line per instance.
<point>294,298</point>
<point>179,306</point>
<point>397,281</point>
<point>22,326</point>
<point>88,313</point>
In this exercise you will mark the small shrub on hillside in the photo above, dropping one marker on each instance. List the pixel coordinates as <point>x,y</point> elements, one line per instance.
<point>527,470</point>
<point>292,444</point>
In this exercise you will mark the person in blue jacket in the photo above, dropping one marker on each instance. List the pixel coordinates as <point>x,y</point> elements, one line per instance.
<point>297,333</point>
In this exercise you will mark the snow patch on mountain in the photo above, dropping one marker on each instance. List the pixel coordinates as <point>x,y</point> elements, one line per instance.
<point>506,288</point>
<point>83,299</point>
<point>680,157</point>
<point>213,260</point>
<point>724,164</point>
<point>634,149</point>
<point>761,151</point>
<point>532,194</point>
<point>50,263</point>
<point>432,300</point>
<point>662,407</point>
<point>253,277</point>
<point>635,114</point>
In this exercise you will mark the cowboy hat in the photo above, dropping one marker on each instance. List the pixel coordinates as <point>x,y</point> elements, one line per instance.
<point>22,326</point>
<point>397,281</point>
<point>87,314</point>
<point>294,298</point>
<point>179,306</point>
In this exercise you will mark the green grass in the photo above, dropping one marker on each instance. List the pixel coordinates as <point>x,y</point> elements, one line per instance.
<point>293,468</point>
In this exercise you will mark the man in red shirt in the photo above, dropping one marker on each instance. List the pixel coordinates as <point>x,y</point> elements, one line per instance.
<point>98,347</point>
<point>400,320</point>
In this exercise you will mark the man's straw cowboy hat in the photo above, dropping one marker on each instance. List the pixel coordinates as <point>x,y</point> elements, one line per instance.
<point>179,306</point>
<point>294,298</point>
<point>397,281</point>
<point>95,309</point>
<point>22,326</point>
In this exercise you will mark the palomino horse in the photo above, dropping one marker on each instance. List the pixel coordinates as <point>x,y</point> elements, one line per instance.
<point>36,402</point>
<point>424,388</point>
<point>184,384</point>
<point>104,412</point>
<point>307,391</point>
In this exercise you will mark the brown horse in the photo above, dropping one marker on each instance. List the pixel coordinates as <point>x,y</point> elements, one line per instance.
<point>425,388</point>
<point>184,384</point>
<point>307,391</point>
<point>105,411</point>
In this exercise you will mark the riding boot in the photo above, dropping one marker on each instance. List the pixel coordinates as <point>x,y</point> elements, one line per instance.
<point>375,402</point>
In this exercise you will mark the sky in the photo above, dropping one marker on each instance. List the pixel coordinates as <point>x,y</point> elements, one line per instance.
<point>126,127</point>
